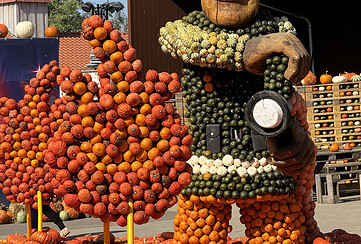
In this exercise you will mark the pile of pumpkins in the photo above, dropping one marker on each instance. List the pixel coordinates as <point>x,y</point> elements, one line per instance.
<point>326,78</point>
<point>102,142</point>
<point>46,235</point>
<point>5,216</point>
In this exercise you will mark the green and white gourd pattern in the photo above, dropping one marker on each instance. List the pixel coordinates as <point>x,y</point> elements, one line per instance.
<point>199,42</point>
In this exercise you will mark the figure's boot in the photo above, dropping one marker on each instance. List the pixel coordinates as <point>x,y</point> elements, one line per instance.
<point>274,221</point>
<point>199,221</point>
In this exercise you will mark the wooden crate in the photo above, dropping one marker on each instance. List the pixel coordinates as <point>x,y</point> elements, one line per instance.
<point>339,180</point>
<point>338,96</point>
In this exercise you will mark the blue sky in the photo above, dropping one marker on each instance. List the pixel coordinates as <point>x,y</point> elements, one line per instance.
<point>124,2</point>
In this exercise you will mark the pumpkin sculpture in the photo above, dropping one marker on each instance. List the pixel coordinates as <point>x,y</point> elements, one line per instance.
<point>99,145</point>
<point>93,146</point>
<point>229,165</point>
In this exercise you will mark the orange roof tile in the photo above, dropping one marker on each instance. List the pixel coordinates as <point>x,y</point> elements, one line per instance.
<point>74,50</point>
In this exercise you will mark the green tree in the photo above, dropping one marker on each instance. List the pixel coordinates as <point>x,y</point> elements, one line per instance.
<point>120,21</point>
<point>66,15</point>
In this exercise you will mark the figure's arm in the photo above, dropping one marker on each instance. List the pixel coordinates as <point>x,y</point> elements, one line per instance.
<point>258,49</point>
<point>294,150</point>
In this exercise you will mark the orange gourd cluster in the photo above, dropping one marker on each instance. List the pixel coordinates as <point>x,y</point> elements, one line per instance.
<point>274,221</point>
<point>200,221</point>
<point>23,140</point>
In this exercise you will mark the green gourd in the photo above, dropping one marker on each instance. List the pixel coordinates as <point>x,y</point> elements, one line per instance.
<point>64,215</point>
<point>21,217</point>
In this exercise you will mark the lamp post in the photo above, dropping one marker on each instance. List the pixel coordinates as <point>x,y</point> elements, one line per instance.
<point>102,9</point>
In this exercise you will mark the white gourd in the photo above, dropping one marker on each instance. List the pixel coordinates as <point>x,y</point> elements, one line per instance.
<point>241,171</point>
<point>25,29</point>
<point>339,79</point>
<point>196,169</point>
<point>227,160</point>
<point>237,162</point>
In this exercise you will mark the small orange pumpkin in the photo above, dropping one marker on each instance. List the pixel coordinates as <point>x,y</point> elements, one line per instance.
<point>100,33</point>
<point>3,31</point>
<point>116,57</point>
<point>109,46</point>
<point>95,21</point>
<point>334,147</point>
<point>51,31</point>
<point>326,78</point>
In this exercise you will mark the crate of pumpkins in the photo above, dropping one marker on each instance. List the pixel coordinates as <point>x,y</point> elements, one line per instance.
<point>333,110</point>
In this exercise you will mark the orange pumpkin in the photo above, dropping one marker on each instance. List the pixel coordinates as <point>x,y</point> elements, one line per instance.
<point>3,31</point>
<point>123,86</point>
<point>108,25</point>
<point>348,75</point>
<point>334,147</point>
<point>95,21</point>
<point>326,78</point>
<point>109,46</point>
<point>80,88</point>
<point>95,43</point>
<point>51,31</point>
<point>116,76</point>
<point>116,57</point>
<point>100,33</point>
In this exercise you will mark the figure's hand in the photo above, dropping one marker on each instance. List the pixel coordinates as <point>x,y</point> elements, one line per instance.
<point>258,49</point>
<point>293,151</point>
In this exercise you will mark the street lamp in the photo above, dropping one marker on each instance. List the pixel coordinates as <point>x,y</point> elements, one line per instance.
<point>102,9</point>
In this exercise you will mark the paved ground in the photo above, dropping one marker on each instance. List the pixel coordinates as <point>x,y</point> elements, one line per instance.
<point>329,216</point>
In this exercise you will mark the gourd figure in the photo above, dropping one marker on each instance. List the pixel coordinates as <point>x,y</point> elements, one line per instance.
<point>251,147</point>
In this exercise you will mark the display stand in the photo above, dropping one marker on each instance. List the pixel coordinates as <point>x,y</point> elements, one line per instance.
<point>40,212</point>
<point>130,222</point>
<point>28,220</point>
<point>106,231</point>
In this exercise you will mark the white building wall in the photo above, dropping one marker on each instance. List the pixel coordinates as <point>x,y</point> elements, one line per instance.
<point>14,12</point>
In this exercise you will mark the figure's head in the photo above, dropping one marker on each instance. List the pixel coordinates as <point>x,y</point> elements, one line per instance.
<point>230,13</point>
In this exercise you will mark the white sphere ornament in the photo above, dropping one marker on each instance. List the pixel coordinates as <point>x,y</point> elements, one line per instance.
<point>267,113</point>
<point>25,29</point>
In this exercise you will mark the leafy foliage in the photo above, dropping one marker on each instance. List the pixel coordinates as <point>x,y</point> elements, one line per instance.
<point>120,21</point>
<point>66,15</point>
